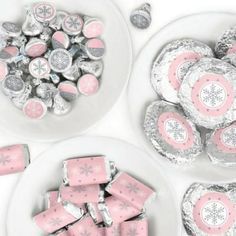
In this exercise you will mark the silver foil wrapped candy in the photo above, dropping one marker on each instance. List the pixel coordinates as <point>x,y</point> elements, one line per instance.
<point>208,93</point>
<point>172,133</point>
<point>209,209</point>
<point>221,146</point>
<point>172,64</point>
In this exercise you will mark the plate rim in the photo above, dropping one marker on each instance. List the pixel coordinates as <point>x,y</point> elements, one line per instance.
<point>102,139</point>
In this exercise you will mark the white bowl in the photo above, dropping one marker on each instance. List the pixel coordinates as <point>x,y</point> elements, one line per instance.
<point>87,110</point>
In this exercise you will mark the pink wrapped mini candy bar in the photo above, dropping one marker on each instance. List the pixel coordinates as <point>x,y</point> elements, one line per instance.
<point>87,171</point>
<point>51,199</point>
<point>120,210</point>
<point>58,216</point>
<point>81,194</point>
<point>85,226</point>
<point>113,230</point>
<point>135,227</point>
<point>14,159</point>
<point>130,190</point>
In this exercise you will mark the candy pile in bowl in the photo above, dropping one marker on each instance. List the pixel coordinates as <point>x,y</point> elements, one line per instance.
<point>96,199</point>
<point>197,92</point>
<point>52,58</point>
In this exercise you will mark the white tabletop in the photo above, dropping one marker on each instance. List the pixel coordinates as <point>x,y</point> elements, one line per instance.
<point>117,123</point>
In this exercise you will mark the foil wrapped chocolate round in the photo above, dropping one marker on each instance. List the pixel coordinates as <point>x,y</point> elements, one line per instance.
<point>94,48</point>
<point>9,53</point>
<point>88,84</point>
<point>73,73</point>
<point>208,92</point>
<point>10,29</point>
<point>60,60</point>
<point>72,24</point>
<point>93,27</point>
<point>44,11</point>
<point>172,64</point>
<point>60,40</point>
<point>141,17</point>
<point>35,108</point>
<point>172,133</point>
<point>209,209</point>
<point>39,68</point>
<point>226,43</point>
<point>13,86</point>
<point>35,47</point>
<point>221,146</point>
<point>68,90</point>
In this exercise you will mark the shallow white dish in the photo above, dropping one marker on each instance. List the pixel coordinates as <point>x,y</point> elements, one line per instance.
<point>87,110</point>
<point>206,27</point>
<point>46,173</point>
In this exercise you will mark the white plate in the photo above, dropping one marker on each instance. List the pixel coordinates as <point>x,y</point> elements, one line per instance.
<point>206,27</point>
<point>87,110</point>
<point>46,173</point>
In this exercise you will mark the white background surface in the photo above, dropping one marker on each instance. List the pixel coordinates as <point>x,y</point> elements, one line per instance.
<point>117,123</point>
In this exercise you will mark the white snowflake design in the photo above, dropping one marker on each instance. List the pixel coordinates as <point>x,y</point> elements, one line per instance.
<point>229,137</point>
<point>214,214</point>
<point>132,188</point>
<point>39,67</point>
<point>124,206</point>
<point>86,170</point>
<point>176,131</point>
<point>213,95</point>
<point>73,23</point>
<point>60,60</point>
<point>4,160</point>
<point>55,222</point>
<point>44,11</point>
<point>132,232</point>
<point>85,233</point>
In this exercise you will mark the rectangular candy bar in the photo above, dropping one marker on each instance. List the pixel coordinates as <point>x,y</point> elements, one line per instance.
<point>58,216</point>
<point>81,194</point>
<point>85,226</point>
<point>120,210</point>
<point>51,199</point>
<point>130,190</point>
<point>14,159</point>
<point>135,227</point>
<point>87,171</point>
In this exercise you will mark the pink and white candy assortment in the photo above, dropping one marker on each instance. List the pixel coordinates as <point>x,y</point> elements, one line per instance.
<point>96,199</point>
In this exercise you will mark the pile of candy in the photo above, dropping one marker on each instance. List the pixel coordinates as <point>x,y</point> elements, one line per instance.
<point>198,96</point>
<point>96,199</point>
<point>209,209</point>
<point>50,60</point>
